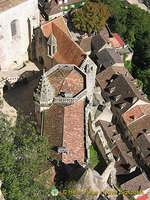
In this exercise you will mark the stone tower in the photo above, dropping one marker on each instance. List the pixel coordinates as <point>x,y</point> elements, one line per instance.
<point>43,96</point>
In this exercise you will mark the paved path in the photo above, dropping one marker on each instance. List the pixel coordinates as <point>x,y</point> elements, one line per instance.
<point>140,4</point>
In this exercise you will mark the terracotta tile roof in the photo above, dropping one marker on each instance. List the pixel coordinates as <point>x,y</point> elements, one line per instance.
<point>136,112</point>
<point>60,22</point>
<point>134,184</point>
<point>64,125</point>
<point>105,76</point>
<point>114,42</point>
<point>73,137</point>
<point>143,197</point>
<point>67,80</point>
<point>68,52</point>
<point>121,42</point>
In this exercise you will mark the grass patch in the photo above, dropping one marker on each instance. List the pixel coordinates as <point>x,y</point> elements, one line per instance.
<point>97,161</point>
<point>93,157</point>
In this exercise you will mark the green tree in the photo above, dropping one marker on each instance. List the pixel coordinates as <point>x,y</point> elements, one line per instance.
<point>23,157</point>
<point>91,17</point>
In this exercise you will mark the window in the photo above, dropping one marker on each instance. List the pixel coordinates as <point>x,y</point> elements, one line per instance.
<point>14,28</point>
<point>49,51</point>
<point>53,49</point>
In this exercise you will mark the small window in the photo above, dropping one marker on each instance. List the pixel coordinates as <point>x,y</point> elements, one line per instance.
<point>49,51</point>
<point>14,28</point>
<point>53,49</point>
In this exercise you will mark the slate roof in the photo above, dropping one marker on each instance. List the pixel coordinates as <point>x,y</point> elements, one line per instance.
<point>52,8</point>
<point>108,57</point>
<point>97,42</point>
<point>67,80</point>
<point>68,52</point>
<point>64,125</point>
<point>123,92</point>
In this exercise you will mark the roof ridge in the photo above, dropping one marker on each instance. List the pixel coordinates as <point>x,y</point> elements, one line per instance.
<point>69,37</point>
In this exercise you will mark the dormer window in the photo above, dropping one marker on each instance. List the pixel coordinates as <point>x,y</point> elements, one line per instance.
<point>14,28</point>
<point>51,45</point>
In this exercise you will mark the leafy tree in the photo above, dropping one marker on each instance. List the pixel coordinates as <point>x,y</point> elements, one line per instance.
<point>23,157</point>
<point>91,17</point>
<point>144,77</point>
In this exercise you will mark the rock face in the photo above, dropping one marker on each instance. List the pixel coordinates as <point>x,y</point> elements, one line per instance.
<point>1,196</point>
<point>85,183</point>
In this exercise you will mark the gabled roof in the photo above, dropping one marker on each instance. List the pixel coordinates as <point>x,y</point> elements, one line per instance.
<point>52,8</point>
<point>123,92</point>
<point>139,182</point>
<point>97,42</point>
<point>108,57</point>
<point>85,44</point>
<point>68,52</point>
<point>140,126</point>
<point>121,42</point>
<point>110,73</point>
<point>135,113</point>
<point>64,125</point>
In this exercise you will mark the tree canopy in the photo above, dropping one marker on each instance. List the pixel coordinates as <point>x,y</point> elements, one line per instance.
<point>91,17</point>
<point>132,24</point>
<point>23,157</point>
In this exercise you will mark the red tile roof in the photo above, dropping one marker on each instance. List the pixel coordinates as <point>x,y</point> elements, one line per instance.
<point>64,125</point>
<point>136,112</point>
<point>119,39</point>
<point>143,197</point>
<point>67,80</point>
<point>73,137</point>
<point>68,52</point>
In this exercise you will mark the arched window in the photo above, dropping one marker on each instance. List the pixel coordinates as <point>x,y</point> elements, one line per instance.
<point>14,28</point>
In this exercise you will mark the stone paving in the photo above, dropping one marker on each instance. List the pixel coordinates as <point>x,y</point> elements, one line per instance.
<point>21,97</point>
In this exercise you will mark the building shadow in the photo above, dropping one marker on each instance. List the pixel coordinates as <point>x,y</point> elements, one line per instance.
<point>20,95</point>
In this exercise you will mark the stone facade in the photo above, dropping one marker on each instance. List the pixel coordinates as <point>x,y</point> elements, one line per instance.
<point>16,28</point>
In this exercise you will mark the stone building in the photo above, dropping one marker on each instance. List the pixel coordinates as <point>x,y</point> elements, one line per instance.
<point>53,45</point>
<point>17,20</point>
<point>130,107</point>
<point>61,95</point>
<point>49,10</point>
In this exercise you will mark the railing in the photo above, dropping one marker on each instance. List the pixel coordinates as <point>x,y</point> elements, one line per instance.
<point>69,100</point>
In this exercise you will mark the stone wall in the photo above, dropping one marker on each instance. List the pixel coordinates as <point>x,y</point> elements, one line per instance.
<point>40,48</point>
<point>15,49</point>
